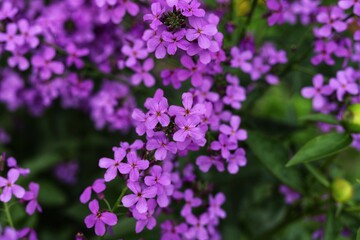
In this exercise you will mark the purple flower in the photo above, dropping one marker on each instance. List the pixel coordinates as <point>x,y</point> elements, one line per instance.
<point>233,131</point>
<point>112,165</point>
<point>173,232</point>
<point>101,3</point>
<point>236,160</point>
<point>134,53</point>
<point>27,233</point>
<point>18,59</point>
<point>214,206</point>
<point>9,187</point>
<point>161,144</point>
<point>344,83</point>
<point>332,18</point>
<point>29,33</point>
<point>99,219</point>
<point>142,73</point>
<point>324,51</point>
<point>188,127</point>
<point>198,228</point>
<point>9,234</point>
<point>161,180</point>
<point>277,8</point>
<point>75,55</point>
<point>131,8</point>
<point>8,10</point>
<point>289,194</point>
<point>317,92</point>
<point>205,163</point>
<point>156,11</point>
<point>66,172</point>
<point>191,8</point>
<point>98,186</point>
<point>190,202</point>
<point>175,41</point>
<point>45,65</point>
<point>145,219</point>
<point>224,145</point>
<point>203,92</point>
<point>157,44</point>
<point>189,109</point>
<point>133,165</point>
<point>201,31</point>
<point>12,163</point>
<point>157,112</point>
<point>234,96</point>
<point>139,196</point>
<point>11,38</point>
<point>193,70</point>
<point>31,196</point>
<point>240,59</point>
<point>140,117</point>
<point>346,4</point>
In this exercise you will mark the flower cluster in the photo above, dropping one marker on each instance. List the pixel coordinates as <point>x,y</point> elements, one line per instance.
<point>10,190</point>
<point>152,172</point>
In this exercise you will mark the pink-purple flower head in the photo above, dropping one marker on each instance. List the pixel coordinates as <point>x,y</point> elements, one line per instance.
<point>225,145</point>
<point>189,109</point>
<point>146,219</point>
<point>347,4</point>
<point>11,39</point>
<point>98,187</point>
<point>332,19</point>
<point>142,73</point>
<point>344,83</point>
<point>133,166</point>
<point>188,127</point>
<point>201,31</point>
<point>31,196</point>
<point>9,187</point>
<point>45,65</point>
<point>160,143</point>
<point>112,165</point>
<point>139,196</point>
<point>235,134</point>
<point>99,219</point>
<point>318,93</point>
<point>137,51</point>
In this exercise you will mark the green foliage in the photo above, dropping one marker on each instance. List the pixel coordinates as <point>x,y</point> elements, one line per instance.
<point>274,156</point>
<point>321,147</point>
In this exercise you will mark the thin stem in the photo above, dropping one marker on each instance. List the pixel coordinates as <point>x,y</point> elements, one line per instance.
<point>248,19</point>
<point>8,215</point>
<point>116,205</point>
<point>107,203</point>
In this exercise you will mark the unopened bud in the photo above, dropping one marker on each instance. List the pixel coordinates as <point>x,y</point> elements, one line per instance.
<point>342,190</point>
<point>351,118</point>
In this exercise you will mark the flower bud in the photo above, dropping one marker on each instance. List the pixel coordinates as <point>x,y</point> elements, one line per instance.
<point>351,118</point>
<point>342,190</point>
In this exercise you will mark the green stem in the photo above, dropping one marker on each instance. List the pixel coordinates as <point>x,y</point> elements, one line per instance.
<point>248,20</point>
<point>8,215</point>
<point>116,205</point>
<point>107,204</point>
<point>318,175</point>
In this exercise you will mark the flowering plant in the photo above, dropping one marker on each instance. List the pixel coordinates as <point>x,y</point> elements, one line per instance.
<point>147,119</point>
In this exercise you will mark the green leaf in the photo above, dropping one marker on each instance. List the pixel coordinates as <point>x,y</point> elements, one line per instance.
<point>332,225</point>
<point>358,234</point>
<point>320,147</point>
<point>50,194</point>
<point>274,156</point>
<point>318,117</point>
<point>41,163</point>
